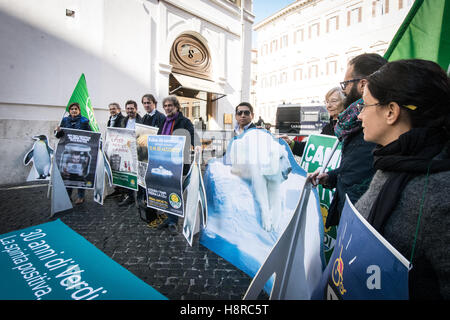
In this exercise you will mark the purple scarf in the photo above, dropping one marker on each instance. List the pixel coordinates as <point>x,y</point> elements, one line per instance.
<point>168,125</point>
<point>348,121</point>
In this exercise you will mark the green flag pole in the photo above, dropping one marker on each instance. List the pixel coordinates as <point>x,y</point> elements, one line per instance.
<point>80,94</point>
<point>424,34</point>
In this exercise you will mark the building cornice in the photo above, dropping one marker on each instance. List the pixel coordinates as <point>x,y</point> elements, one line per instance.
<point>290,8</point>
<point>234,10</point>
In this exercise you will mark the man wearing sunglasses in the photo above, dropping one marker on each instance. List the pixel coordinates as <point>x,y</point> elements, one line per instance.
<point>244,117</point>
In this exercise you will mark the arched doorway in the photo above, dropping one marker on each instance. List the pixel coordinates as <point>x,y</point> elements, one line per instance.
<point>191,80</point>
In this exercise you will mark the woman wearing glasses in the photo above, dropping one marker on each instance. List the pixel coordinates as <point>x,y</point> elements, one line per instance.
<point>406,112</point>
<point>334,102</point>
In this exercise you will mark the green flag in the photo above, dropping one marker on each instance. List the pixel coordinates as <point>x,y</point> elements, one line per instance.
<point>80,94</point>
<point>424,34</point>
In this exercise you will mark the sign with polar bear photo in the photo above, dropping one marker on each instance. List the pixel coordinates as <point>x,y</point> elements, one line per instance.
<point>318,149</point>
<point>52,262</point>
<point>164,174</point>
<point>252,193</point>
<point>120,149</point>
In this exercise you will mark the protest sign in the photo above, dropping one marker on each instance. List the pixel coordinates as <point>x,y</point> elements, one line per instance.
<point>52,262</point>
<point>99,185</point>
<point>317,149</point>
<point>252,194</point>
<point>41,157</point>
<point>60,200</point>
<point>164,174</point>
<point>76,157</point>
<point>196,210</point>
<point>142,132</point>
<point>120,149</point>
<point>363,265</point>
<point>296,261</point>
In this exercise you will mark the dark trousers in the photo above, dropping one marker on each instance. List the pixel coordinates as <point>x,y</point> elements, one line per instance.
<point>150,213</point>
<point>80,192</point>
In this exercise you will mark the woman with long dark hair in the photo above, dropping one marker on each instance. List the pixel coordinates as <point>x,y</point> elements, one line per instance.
<point>406,112</point>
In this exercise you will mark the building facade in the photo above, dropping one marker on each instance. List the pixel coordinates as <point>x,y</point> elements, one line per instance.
<point>197,50</point>
<point>304,48</point>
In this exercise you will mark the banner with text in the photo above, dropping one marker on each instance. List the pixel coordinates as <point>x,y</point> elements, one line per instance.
<point>52,262</point>
<point>76,157</point>
<point>317,149</point>
<point>142,132</point>
<point>120,149</point>
<point>363,266</point>
<point>164,175</point>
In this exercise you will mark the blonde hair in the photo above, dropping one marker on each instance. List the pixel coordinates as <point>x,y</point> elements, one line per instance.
<point>333,90</point>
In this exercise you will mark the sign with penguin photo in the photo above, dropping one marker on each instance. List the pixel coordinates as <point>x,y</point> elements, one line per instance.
<point>41,156</point>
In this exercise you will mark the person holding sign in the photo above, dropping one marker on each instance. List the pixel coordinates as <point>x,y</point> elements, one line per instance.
<point>152,118</point>
<point>176,124</point>
<point>406,112</point>
<point>355,171</point>
<point>116,117</point>
<point>74,121</point>
<point>129,122</point>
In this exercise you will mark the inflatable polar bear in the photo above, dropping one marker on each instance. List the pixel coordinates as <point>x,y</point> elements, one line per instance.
<point>260,159</point>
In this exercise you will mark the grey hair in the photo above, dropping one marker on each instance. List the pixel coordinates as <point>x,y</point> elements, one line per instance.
<point>173,99</point>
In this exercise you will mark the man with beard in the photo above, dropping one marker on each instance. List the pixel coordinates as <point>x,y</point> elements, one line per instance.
<point>130,123</point>
<point>356,169</point>
<point>116,121</point>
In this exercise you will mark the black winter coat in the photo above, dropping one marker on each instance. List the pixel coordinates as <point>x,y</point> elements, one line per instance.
<point>353,175</point>
<point>125,120</point>
<point>157,120</point>
<point>184,127</point>
<point>119,121</point>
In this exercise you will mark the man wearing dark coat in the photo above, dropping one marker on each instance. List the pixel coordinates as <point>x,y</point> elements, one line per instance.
<point>116,119</point>
<point>153,117</point>
<point>355,171</point>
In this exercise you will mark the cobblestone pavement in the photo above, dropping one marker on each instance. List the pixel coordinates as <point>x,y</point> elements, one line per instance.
<point>165,262</point>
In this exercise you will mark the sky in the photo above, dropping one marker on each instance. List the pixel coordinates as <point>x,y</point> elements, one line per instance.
<point>265,8</point>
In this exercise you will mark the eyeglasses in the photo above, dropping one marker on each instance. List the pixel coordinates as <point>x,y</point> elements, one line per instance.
<point>245,112</point>
<point>167,105</point>
<point>344,84</point>
<point>361,106</point>
<point>331,101</point>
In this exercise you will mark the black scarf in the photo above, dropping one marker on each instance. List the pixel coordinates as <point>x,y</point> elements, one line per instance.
<point>409,156</point>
